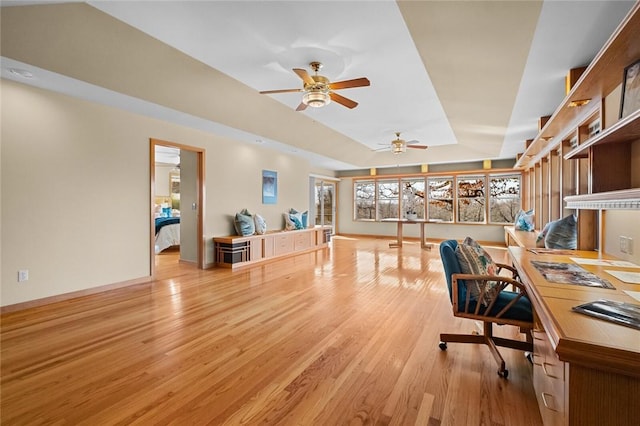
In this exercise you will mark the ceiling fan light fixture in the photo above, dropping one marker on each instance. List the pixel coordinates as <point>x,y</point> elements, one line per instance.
<point>316,98</point>
<point>398,146</point>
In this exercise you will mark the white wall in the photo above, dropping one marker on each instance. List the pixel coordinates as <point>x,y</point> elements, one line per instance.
<point>76,197</point>
<point>346,224</point>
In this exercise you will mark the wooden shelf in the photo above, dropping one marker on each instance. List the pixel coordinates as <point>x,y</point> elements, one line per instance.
<point>237,251</point>
<point>601,77</point>
<point>625,130</point>
<point>628,199</point>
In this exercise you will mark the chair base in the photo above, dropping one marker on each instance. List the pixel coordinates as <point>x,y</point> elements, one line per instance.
<point>492,343</point>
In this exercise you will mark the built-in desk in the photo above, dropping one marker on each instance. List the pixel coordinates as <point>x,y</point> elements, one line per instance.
<point>586,371</point>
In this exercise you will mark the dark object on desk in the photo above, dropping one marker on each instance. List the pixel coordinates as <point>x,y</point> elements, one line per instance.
<point>619,312</point>
<point>570,273</point>
<point>494,304</point>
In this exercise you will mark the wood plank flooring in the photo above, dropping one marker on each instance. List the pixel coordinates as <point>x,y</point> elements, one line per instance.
<point>347,335</point>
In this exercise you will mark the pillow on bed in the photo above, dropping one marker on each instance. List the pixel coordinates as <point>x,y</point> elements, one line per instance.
<point>260,223</point>
<point>244,223</point>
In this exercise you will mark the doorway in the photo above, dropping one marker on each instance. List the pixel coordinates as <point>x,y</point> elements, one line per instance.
<point>324,201</point>
<point>177,201</point>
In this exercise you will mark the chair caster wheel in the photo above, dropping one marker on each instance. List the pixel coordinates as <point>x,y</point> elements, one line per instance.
<point>504,373</point>
<point>443,346</point>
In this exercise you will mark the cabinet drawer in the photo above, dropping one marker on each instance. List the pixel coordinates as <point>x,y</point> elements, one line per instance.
<point>283,244</point>
<point>302,241</point>
<point>548,380</point>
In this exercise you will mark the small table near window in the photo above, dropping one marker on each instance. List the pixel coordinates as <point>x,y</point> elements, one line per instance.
<point>401,223</point>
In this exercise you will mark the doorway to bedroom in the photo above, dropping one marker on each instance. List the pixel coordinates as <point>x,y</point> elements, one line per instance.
<point>177,185</point>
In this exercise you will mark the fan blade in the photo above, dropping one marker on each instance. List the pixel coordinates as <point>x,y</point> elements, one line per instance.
<point>268,92</point>
<point>301,107</point>
<point>357,82</point>
<point>417,146</point>
<point>304,75</point>
<point>342,100</point>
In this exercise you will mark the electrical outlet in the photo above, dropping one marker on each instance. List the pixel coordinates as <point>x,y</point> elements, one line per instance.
<point>623,244</point>
<point>629,245</point>
<point>23,275</point>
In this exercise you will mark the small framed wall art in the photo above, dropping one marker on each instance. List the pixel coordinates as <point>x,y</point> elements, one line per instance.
<point>630,90</point>
<point>269,187</point>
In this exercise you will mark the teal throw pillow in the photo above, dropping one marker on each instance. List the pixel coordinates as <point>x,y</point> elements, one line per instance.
<point>562,234</point>
<point>304,217</point>
<point>524,221</point>
<point>244,223</point>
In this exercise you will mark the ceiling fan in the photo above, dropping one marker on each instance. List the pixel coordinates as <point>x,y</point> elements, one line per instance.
<point>318,91</point>
<point>398,146</point>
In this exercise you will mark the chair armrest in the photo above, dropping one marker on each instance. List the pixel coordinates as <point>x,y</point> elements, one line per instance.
<point>514,271</point>
<point>488,294</point>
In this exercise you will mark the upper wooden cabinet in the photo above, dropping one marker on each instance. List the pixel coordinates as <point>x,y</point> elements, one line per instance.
<point>600,79</point>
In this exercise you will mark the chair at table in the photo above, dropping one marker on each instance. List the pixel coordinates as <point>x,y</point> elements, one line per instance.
<point>498,306</point>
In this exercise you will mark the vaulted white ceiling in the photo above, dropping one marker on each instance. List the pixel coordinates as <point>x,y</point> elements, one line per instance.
<point>468,78</point>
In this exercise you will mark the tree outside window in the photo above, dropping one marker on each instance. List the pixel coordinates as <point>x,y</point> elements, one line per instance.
<point>504,198</point>
<point>440,197</point>
<point>388,199</point>
<point>364,200</point>
<point>413,197</point>
<point>471,199</point>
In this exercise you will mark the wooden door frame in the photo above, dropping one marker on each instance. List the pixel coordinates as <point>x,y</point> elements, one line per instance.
<point>200,156</point>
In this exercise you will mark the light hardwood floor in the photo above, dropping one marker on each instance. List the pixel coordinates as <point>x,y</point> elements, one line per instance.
<point>347,335</point>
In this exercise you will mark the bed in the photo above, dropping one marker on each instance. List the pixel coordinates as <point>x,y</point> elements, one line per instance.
<point>167,233</point>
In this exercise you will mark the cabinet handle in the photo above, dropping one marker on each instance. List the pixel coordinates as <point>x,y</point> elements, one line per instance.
<point>544,400</point>
<point>544,364</point>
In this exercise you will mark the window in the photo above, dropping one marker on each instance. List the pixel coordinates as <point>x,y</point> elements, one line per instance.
<point>413,197</point>
<point>440,198</point>
<point>388,199</point>
<point>477,197</point>
<point>471,199</point>
<point>504,198</point>
<point>364,200</point>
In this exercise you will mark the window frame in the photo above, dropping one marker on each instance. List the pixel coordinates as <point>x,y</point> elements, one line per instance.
<point>455,177</point>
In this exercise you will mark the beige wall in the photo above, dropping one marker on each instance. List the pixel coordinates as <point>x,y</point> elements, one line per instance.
<point>75,191</point>
<point>622,223</point>
<point>162,180</point>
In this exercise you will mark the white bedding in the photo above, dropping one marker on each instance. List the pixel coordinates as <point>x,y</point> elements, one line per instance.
<point>168,236</point>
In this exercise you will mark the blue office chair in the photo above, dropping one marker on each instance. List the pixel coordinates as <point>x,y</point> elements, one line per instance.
<point>500,306</point>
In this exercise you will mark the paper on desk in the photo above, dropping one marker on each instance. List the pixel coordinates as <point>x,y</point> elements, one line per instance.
<point>604,262</point>
<point>634,294</point>
<point>627,277</point>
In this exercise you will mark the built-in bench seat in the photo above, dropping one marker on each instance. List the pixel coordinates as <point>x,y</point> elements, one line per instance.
<point>513,237</point>
<point>237,251</point>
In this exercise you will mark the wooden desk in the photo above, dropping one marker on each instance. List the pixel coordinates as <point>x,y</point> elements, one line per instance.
<point>586,371</point>
<point>401,223</point>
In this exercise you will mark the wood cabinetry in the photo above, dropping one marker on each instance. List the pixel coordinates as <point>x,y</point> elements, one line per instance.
<point>548,379</point>
<point>586,371</point>
<point>238,251</point>
<point>596,147</point>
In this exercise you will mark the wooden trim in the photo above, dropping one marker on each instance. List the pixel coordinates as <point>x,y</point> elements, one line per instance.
<point>623,130</point>
<point>200,198</point>
<point>625,199</point>
<point>431,174</point>
<point>72,295</point>
<point>600,78</point>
